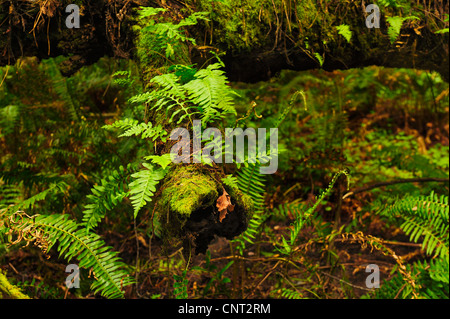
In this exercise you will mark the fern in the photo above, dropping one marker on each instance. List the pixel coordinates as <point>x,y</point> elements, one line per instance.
<point>207,94</point>
<point>9,195</point>
<point>424,217</point>
<point>30,202</point>
<point>301,219</point>
<point>9,117</point>
<point>395,25</point>
<point>291,294</point>
<point>429,280</point>
<point>164,38</point>
<point>144,185</point>
<point>211,94</point>
<point>251,183</point>
<point>180,286</point>
<point>133,127</point>
<point>345,31</point>
<point>61,88</point>
<point>73,242</point>
<point>104,197</point>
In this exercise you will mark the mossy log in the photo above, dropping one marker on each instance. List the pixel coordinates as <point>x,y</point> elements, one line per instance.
<point>188,208</point>
<point>260,37</point>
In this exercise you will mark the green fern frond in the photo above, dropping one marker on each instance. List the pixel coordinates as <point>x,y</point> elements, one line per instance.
<point>180,286</point>
<point>302,218</point>
<point>345,31</point>
<point>31,201</point>
<point>291,294</point>
<point>395,25</point>
<point>9,117</point>
<point>424,217</point>
<point>162,160</point>
<point>211,93</point>
<point>251,183</point>
<point>9,195</point>
<point>144,185</point>
<point>430,280</point>
<point>73,242</point>
<point>132,127</point>
<point>124,124</point>
<point>104,197</point>
<point>60,86</point>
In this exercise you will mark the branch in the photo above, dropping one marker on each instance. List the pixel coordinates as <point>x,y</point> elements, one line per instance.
<point>398,181</point>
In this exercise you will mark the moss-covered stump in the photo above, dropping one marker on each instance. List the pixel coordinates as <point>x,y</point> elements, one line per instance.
<point>190,210</point>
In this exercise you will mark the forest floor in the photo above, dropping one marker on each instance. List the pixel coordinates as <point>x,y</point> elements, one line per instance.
<point>356,120</point>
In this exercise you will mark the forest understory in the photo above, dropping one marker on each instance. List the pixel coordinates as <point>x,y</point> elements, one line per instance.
<point>356,209</point>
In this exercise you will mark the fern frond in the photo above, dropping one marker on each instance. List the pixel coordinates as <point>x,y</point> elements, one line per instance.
<point>251,183</point>
<point>9,117</point>
<point>169,94</point>
<point>60,86</point>
<point>302,218</point>
<point>30,202</point>
<point>104,197</point>
<point>395,25</point>
<point>424,217</point>
<point>132,127</point>
<point>345,31</point>
<point>73,242</point>
<point>9,195</point>
<point>144,185</point>
<point>430,280</point>
<point>211,93</point>
<point>180,286</point>
<point>291,294</point>
<point>124,124</point>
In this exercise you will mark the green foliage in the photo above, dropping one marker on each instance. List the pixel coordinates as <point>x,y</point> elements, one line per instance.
<point>444,30</point>
<point>345,31</point>
<point>395,25</point>
<point>73,242</point>
<point>180,286</point>
<point>251,183</point>
<point>105,196</point>
<point>291,294</point>
<point>207,94</point>
<point>144,130</point>
<point>425,218</point>
<point>218,279</point>
<point>302,218</point>
<point>144,185</point>
<point>164,39</point>
<point>61,88</point>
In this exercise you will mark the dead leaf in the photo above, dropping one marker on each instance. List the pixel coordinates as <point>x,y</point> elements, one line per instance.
<point>224,205</point>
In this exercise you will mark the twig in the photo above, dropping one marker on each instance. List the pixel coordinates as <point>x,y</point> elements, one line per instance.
<point>345,282</point>
<point>399,181</point>
<point>262,280</point>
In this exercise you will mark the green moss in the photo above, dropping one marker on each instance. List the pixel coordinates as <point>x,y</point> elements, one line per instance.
<point>242,200</point>
<point>188,189</point>
<point>10,290</point>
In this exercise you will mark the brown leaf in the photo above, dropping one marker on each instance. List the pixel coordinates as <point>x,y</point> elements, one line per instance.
<point>224,205</point>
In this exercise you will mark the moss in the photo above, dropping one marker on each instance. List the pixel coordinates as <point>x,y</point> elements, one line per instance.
<point>188,189</point>
<point>241,199</point>
<point>7,290</point>
<point>188,213</point>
